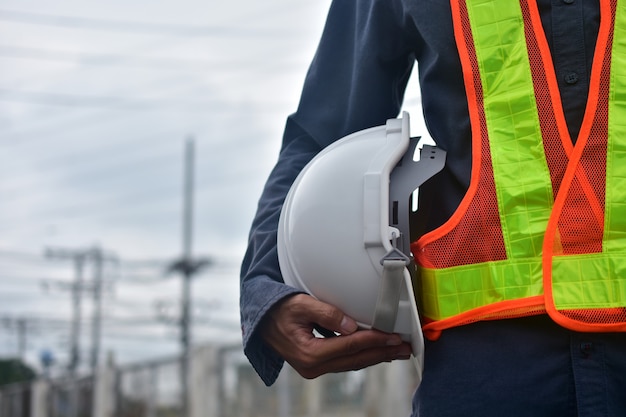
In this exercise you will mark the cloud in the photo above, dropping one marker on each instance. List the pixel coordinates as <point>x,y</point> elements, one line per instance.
<point>96,102</point>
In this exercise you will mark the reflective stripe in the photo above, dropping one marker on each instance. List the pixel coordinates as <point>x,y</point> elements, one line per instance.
<point>522,178</point>
<point>615,209</point>
<point>589,281</point>
<point>521,173</point>
<point>452,291</point>
<point>577,285</point>
<point>585,284</point>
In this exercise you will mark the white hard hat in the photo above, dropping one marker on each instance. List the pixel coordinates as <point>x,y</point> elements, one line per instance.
<point>343,233</point>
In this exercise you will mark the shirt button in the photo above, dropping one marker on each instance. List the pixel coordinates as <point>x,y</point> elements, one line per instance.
<point>571,78</point>
<point>586,348</point>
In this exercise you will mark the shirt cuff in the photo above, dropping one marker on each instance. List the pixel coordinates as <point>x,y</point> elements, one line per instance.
<point>258,296</point>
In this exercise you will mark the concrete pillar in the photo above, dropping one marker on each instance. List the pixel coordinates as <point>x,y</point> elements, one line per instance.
<point>104,395</point>
<point>284,392</point>
<point>389,389</point>
<point>374,387</point>
<point>39,398</point>
<point>205,379</point>
<point>399,389</point>
<point>313,395</point>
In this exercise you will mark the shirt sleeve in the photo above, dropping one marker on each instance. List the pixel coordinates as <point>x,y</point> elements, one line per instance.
<point>357,80</point>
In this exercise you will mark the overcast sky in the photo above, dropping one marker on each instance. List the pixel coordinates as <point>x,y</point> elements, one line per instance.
<point>96,102</point>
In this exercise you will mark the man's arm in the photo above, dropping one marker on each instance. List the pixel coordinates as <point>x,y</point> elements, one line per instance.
<point>356,80</point>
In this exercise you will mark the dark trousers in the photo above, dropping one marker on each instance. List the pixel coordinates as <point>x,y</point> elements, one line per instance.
<point>527,367</point>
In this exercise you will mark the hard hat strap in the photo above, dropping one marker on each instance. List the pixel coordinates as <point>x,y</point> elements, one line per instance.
<point>394,264</point>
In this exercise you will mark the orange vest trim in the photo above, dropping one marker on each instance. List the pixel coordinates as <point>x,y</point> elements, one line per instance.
<point>556,225</point>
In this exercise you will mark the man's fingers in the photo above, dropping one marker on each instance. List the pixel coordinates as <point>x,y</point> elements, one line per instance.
<point>325,315</point>
<point>289,330</point>
<point>313,312</point>
<point>355,361</point>
<point>330,348</point>
<point>354,351</point>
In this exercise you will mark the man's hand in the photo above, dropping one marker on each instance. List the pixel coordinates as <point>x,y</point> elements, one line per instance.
<point>288,329</point>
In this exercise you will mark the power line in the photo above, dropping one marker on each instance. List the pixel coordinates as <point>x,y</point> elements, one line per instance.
<point>71,100</point>
<point>103,169</point>
<point>158,264</point>
<point>14,296</point>
<point>50,129</point>
<point>108,321</point>
<point>106,104</point>
<point>135,200</point>
<point>137,27</point>
<point>91,121</point>
<point>249,14</point>
<point>125,103</point>
<point>22,256</point>
<point>139,161</point>
<point>112,104</point>
<point>134,320</point>
<point>145,146</point>
<point>108,60</point>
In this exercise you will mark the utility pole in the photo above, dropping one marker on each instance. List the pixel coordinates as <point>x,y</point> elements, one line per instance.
<point>77,291</point>
<point>187,267</point>
<point>77,288</point>
<point>21,331</point>
<point>79,257</point>
<point>97,256</point>
<point>21,328</point>
<point>187,238</point>
<point>96,327</point>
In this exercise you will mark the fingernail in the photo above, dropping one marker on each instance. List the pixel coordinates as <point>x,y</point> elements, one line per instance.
<point>348,325</point>
<point>405,352</point>
<point>394,341</point>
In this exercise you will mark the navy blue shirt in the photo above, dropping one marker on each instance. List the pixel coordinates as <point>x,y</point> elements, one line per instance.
<point>357,80</point>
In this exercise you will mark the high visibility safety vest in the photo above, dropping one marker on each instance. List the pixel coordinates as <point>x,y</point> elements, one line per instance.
<point>542,227</point>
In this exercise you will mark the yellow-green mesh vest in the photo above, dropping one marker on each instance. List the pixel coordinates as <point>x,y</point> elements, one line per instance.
<point>543,225</point>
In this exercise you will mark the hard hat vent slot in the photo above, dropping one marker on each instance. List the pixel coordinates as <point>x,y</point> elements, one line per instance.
<point>394,213</point>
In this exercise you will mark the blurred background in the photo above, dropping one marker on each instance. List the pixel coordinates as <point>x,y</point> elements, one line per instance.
<point>135,138</point>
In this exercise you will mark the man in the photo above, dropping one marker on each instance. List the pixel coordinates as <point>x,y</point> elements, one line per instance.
<point>538,71</point>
